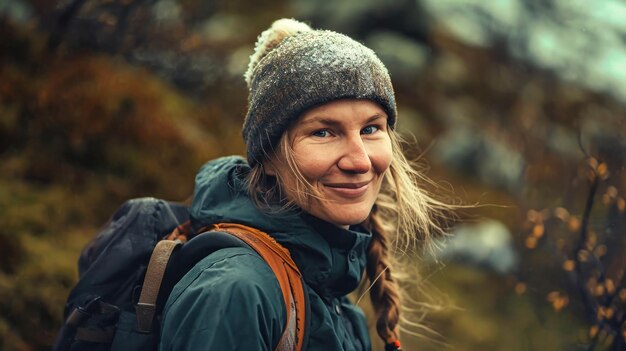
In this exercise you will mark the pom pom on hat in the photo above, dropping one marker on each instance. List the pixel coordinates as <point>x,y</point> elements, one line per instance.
<point>270,38</point>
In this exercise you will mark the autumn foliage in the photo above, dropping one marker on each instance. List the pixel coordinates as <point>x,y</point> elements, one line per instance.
<point>589,248</point>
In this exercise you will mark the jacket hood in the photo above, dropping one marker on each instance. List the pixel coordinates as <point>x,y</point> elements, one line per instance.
<point>331,259</point>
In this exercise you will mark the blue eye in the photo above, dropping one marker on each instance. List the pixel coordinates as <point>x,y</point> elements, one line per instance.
<point>322,133</point>
<point>369,130</point>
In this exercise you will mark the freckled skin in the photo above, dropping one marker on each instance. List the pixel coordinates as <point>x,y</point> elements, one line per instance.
<point>343,149</point>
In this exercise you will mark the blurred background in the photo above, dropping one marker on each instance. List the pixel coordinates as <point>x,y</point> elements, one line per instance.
<point>516,105</point>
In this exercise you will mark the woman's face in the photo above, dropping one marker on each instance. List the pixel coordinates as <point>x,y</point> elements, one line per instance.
<point>342,149</point>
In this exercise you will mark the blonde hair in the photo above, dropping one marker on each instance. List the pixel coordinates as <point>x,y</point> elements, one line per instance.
<point>404,218</point>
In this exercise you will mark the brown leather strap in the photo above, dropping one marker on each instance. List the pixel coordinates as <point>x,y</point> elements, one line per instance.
<point>152,283</point>
<point>276,256</point>
<point>288,275</point>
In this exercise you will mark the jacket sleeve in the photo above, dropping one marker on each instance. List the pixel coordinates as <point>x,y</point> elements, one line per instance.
<point>230,300</point>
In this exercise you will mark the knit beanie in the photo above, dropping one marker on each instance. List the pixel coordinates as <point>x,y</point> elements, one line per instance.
<point>295,68</point>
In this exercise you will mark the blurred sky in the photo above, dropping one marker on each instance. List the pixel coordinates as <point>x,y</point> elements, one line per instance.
<point>582,41</point>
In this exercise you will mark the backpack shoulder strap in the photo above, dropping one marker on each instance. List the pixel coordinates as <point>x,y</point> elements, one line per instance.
<point>146,306</point>
<point>276,256</point>
<point>288,275</point>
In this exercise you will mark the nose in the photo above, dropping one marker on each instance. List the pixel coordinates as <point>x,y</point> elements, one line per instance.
<point>355,158</point>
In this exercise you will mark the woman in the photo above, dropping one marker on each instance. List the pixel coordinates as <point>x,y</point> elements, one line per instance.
<point>326,178</point>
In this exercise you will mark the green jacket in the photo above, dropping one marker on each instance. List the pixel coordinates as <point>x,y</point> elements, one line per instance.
<point>231,300</point>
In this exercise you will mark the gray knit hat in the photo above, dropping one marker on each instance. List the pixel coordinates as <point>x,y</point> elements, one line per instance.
<point>295,68</point>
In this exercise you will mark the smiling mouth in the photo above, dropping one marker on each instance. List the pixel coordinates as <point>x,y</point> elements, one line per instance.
<point>350,190</point>
<point>348,185</point>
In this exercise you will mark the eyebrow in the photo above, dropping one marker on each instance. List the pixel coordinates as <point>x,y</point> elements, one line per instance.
<point>332,122</point>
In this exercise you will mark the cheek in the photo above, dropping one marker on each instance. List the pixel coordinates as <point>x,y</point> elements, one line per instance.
<point>313,162</point>
<point>313,168</point>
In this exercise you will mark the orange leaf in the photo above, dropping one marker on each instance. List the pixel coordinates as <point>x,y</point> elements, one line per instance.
<point>610,286</point>
<point>583,256</point>
<point>593,331</point>
<point>561,213</point>
<point>552,296</point>
<point>573,224</point>
<point>531,242</point>
<point>600,250</point>
<point>599,290</point>
<point>569,265</point>
<point>621,204</point>
<point>603,171</point>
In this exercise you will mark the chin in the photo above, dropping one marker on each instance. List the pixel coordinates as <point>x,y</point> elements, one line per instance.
<point>348,219</point>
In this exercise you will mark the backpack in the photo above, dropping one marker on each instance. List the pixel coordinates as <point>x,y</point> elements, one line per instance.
<point>128,270</point>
